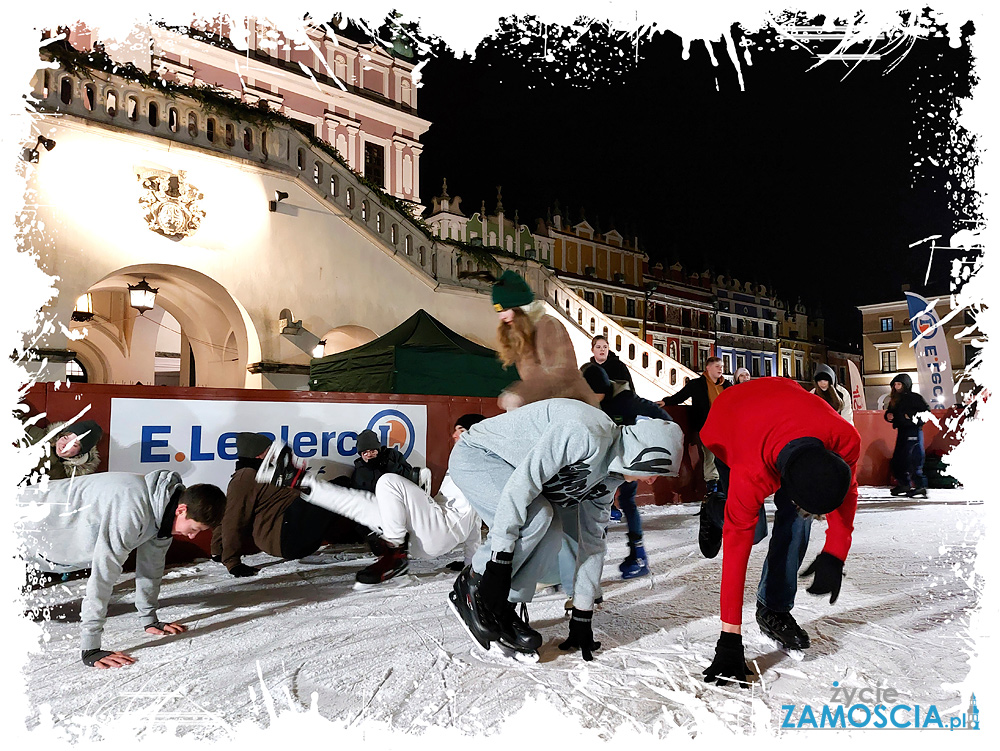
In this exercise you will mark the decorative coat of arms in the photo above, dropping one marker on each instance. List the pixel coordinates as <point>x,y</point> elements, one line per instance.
<point>171,203</point>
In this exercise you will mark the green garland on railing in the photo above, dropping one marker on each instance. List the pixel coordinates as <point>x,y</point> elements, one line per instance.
<point>219,103</point>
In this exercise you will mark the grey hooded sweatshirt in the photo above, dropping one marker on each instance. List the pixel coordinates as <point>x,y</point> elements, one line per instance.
<point>95,522</point>
<point>846,411</point>
<point>571,454</point>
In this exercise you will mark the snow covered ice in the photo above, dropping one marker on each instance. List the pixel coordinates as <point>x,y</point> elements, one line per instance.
<point>397,656</point>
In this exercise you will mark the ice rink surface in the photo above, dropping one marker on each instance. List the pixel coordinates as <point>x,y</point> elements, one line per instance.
<point>298,635</point>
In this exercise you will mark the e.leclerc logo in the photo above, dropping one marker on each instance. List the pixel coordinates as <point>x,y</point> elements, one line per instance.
<point>394,430</point>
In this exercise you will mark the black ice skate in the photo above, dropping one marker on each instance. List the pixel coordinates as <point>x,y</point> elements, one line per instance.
<point>516,632</point>
<point>464,599</point>
<point>281,467</point>
<point>900,490</point>
<point>393,562</point>
<point>917,493</point>
<point>782,628</point>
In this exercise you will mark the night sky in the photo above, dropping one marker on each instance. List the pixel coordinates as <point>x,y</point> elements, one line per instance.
<point>806,181</point>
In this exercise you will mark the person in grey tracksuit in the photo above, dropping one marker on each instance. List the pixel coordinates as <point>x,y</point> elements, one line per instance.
<point>96,521</point>
<point>557,459</point>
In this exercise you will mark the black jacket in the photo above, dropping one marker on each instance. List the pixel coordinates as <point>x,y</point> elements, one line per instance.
<point>615,368</point>
<point>907,406</point>
<point>388,461</point>
<point>625,408</point>
<point>697,391</point>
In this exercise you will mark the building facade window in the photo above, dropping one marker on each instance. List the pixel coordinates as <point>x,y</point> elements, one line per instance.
<point>609,304</point>
<point>786,365</point>
<point>798,368</point>
<point>755,367</point>
<point>375,163</point>
<point>589,297</point>
<point>767,367</point>
<point>886,324</point>
<point>630,308</point>
<point>741,362</point>
<point>888,360</point>
<point>727,364</point>
<point>686,355</point>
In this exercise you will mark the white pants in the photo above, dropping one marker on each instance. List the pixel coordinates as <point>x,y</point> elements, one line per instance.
<point>398,507</point>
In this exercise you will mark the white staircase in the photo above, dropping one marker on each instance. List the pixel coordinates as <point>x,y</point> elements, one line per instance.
<point>653,373</point>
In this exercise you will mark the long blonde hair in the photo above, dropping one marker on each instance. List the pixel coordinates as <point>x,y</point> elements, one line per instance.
<point>516,339</point>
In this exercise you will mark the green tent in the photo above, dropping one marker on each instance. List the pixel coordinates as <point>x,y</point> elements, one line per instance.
<point>420,356</point>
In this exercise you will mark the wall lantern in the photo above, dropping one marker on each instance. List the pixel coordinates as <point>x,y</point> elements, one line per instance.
<point>141,296</point>
<point>83,311</point>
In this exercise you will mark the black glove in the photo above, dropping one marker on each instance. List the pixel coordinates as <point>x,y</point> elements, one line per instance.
<point>729,662</point>
<point>91,656</point>
<point>241,569</point>
<point>494,585</point>
<point>829,570</point>
<point>581,634</point>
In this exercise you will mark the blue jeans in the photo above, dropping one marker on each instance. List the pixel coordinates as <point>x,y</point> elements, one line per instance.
<point>626,502</point>
<point>785,553</point>
<point>908,460</point>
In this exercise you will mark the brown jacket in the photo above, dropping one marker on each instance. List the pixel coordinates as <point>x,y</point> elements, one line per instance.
<point>254,513</point>
<point>553,371</point>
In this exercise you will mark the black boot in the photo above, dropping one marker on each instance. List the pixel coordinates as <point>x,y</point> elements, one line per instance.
<point>900,490</point>
<point>465,601</point>
<point>782,628</point>
<point>710,527</point>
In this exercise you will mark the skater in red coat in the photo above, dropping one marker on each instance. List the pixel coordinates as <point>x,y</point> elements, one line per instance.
<point>775,437</point>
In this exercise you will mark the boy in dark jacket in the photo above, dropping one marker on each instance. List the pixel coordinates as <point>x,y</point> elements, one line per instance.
<point>702,392</point>
<point>904,410</point>
<point>375,460</point>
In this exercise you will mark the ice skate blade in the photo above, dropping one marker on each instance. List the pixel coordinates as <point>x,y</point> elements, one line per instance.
<point>796,654</point>
<point>395,582</point>
<point>509,653</point>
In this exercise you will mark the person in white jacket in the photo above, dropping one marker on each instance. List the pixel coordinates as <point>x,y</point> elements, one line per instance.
<point>832,392</point>
<point>95,522</point>
<point>407,520</point>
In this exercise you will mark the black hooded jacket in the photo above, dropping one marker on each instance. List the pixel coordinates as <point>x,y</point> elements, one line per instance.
<point>908,405</point>
<point>615,368</point>
<point>388,461</point>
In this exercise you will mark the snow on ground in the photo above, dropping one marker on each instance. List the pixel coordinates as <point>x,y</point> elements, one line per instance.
<point>399,656</point>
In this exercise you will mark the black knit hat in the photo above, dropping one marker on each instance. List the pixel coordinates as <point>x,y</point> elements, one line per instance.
<point>251,445</point>
<point>88,431</point>
<point>467,421</point>
<point>368,440</point>
<point>816,479</point>
<point>511,291</point>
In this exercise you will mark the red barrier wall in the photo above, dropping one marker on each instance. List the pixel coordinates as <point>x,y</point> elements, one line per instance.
<point>64,403</point>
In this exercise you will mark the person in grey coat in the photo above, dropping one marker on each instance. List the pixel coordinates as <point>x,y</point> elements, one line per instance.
<point>532,474</point>
<point>96,521</point>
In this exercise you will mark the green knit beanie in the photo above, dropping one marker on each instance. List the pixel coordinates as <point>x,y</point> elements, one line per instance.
<point>511,291</point>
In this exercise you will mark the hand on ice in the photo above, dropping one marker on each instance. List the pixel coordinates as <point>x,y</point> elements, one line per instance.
<point>100,658</point>
<point>729,663</point>
<point>241,570</point>
<point>829,572</point>
<point>160,628</point>
<point>581,634</point>
<point>494,586</point>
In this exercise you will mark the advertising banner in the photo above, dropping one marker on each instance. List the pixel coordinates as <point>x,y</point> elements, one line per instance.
<point>197,438</point>
<point>930,345</point>
<point>855,385</point>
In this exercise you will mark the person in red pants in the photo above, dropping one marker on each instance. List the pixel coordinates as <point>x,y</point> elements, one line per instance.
<point>775,437</point>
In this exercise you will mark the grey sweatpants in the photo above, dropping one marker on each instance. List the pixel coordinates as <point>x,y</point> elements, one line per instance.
<point>481,476</point>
